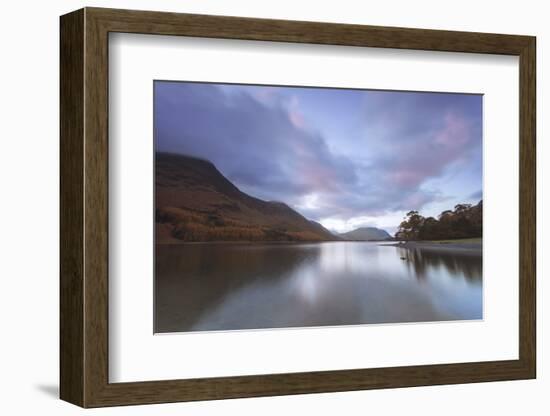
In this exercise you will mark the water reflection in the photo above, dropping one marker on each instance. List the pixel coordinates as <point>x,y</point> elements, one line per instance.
<point>458,263</point>
<point>241,286</point>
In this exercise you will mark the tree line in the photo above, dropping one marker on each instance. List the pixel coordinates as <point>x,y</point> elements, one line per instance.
<point>465,221</point>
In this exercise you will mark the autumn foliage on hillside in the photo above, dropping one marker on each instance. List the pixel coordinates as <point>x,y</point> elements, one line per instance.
<point>195,226</point>
<point>195,202</point>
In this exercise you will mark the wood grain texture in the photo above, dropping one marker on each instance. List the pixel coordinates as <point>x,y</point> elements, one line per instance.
<point>84,207</point>
<point>96,219</point>
<point>162,23</point>
<point>71,208</point>
<point>527,208</point>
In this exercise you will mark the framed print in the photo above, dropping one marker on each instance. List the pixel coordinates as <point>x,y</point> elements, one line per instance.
<point>255,207</point>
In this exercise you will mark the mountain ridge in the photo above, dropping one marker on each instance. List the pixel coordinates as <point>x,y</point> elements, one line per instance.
<point>366,234</point>
<point>194,201</point>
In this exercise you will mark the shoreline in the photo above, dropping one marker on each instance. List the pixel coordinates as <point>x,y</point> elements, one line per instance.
<point>233,242</point>
<point>176,243</point>
<point>471,248</point>
<point>474,248</point>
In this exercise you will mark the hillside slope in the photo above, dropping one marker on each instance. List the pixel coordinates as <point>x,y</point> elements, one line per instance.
<point>195,202</point>
<point>366,234</point>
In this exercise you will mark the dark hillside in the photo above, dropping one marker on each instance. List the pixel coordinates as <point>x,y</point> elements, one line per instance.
<point>195,202</point>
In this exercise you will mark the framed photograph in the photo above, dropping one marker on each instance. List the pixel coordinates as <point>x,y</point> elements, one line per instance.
<point>255,207</point>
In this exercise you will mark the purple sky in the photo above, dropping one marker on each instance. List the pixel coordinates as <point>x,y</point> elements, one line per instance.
<point>345,158</point>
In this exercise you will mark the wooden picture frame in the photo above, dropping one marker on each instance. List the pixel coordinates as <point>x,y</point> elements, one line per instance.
<point>84,207</point>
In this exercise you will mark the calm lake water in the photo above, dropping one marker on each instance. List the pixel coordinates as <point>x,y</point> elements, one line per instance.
<point>205,287</point>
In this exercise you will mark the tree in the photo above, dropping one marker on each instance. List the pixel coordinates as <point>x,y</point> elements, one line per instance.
<point>461,209</point>
<point>429,230</point>
<point>409,228</point>
<point>465,221</point>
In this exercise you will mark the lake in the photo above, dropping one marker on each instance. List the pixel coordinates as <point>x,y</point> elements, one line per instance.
<point>219,286</point>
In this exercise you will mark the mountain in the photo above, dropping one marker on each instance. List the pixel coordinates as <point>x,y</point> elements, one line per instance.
<point>195,202</point>
<point>366,234</point>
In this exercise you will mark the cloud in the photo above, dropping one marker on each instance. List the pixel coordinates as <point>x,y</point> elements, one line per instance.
<point>273,143</point>
<point>264,149</point>
<point>478,195</point>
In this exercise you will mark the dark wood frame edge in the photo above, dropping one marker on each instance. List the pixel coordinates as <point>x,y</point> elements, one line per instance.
<point>84,207</point>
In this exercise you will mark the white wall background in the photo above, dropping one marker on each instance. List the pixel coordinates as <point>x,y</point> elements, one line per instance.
<point>29,188</point>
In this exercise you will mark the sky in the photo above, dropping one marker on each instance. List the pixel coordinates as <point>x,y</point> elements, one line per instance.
<point>345,158</point>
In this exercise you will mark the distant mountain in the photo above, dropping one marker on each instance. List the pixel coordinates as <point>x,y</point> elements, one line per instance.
<point>366,234</point>
<point>195,202</point>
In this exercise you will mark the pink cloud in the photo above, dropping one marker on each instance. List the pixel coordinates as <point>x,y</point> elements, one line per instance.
<point>419,160</point>
<point>294,114</point>
<point>455,133</point>
<point>297,119</point>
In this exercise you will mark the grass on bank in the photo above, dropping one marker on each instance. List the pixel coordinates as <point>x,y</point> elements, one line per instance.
<point>457,241</point>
